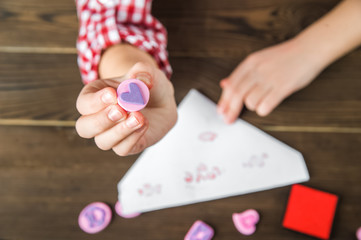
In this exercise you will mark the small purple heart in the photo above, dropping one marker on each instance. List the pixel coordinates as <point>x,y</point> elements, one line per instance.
<point>134,95</point>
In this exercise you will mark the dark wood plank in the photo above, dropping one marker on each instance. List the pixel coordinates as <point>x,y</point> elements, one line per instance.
<point>38,23</point>
<point>234,28</point>
<point>45,87</point>
<point>48,175</point>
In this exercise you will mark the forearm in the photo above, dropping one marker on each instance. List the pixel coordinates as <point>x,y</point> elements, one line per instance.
<point>118,59</point>
<point>333,35</point>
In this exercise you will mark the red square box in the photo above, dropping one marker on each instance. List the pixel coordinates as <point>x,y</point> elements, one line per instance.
<point>310,211</point>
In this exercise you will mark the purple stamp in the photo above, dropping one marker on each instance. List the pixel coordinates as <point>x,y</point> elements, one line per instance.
<point>199,231</point>
<point>95,217</point>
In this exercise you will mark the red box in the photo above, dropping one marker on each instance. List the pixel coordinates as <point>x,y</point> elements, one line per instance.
<point>310,211</point>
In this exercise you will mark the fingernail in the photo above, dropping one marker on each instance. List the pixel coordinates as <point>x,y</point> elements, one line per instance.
<point>145,77</point>
<point>262,111</point>
<point>221,83</point>
<point>107,97</point>
<point>228,120</point>
<point>132,122</point>
<point>115,115</point>
<point>220,110</point>
<point>251,107</point>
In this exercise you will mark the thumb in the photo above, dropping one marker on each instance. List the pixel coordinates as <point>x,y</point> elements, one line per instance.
<point>143,72</point>
<point>161,89</point>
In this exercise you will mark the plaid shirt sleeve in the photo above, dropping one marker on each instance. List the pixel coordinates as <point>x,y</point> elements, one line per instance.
<point>103,23</point>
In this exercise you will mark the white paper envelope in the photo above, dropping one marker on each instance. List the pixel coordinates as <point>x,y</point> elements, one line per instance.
<point>202,159</point>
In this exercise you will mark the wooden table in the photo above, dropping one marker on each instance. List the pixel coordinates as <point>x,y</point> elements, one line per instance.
<point>48,173</point>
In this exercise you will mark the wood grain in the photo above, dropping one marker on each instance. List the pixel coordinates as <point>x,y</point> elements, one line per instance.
<point>46,182</point>
<point>38,23</point>
<point>45,87</point>
<point>39,86</point>
<point>233,28</point>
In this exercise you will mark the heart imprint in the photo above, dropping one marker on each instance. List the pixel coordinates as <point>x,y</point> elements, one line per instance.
<point>134,95</point>
<point>246,221</point>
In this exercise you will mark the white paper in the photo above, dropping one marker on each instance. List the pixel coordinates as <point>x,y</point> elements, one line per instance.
<point>202,159</point>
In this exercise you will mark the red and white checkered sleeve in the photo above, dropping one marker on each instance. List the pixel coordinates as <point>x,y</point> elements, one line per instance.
<point>103,23</point>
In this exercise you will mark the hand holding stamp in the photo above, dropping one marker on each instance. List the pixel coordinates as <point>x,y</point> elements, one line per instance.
<point>110,110</point>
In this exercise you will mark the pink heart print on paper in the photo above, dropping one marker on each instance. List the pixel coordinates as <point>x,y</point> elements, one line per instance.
<point>246,221</point>
<point>207,136</point>
<point>133,96</point>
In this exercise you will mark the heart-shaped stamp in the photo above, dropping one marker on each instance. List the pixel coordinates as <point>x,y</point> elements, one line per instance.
<point>245,222</point>
<point>200,231</point>
<point>133,95</point>
<point>95,217</point>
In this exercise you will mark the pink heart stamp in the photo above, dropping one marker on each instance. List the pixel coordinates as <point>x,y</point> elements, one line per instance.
<point>245,222</point>
<point>133,95</point>
<point>95,217</point>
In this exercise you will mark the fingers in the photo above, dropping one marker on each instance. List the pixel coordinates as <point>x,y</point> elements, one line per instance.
<point>261,98</point>
<point>132,144</point>
<point>91,100</point>
<point>233,95</point>
<point>143,72</point>
<point>223,101</point>
<point>255,95</point>
<point>230,105</point>
<point>89,126</point>
<point>112,129</point>
<point>233,110</point>
<point>271,101</point>
<point>115,135</point>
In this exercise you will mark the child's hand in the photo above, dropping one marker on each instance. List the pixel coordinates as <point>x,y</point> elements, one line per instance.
<point>265,78</point>
<point>111,126</point>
